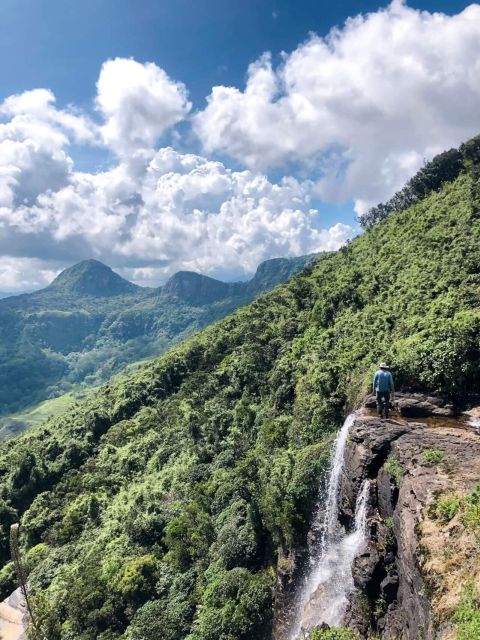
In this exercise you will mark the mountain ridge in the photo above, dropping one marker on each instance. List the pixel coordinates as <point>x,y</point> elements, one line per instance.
<point>90,322</point>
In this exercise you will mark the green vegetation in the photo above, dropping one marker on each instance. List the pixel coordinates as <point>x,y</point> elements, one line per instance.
<point>445,507</point>
<point>333,634</point>
<point>433,456</point>
<point>471,510</point>
<point>90,323</point>
<point>18,422</point>
<point>467,615</point>
<point>162,500</point>
<point>393,468</point>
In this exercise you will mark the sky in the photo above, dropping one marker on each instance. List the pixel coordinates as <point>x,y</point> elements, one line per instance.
<point>213,134</point>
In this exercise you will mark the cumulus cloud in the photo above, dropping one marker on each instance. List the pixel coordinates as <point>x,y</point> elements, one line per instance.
<point>183,212</point>
<point>139,103</point>
<point>154,212</point>
<point>38,105</point>
<point>25,274</point>
<point>362,107</point>
<point>357,111</point>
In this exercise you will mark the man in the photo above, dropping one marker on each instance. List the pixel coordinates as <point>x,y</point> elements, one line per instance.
<point>383,386</point>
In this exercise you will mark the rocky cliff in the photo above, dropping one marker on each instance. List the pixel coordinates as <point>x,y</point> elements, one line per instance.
<point>420,549</point>
<point>416,552</point>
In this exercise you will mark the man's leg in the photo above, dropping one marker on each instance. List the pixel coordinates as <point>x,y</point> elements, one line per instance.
<point>379,403</point>
<point>387,403</point>
<point>382,397</point>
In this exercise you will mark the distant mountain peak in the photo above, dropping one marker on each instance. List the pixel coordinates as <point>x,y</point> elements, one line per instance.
<point>271,273</point>
<point>198,290</point>
<point>92,277</point>
<point>195,288</point>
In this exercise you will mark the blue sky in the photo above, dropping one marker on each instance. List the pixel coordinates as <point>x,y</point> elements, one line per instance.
<point>62,46</point>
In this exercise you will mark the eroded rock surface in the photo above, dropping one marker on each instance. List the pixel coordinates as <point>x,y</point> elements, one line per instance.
<point>393,599</point>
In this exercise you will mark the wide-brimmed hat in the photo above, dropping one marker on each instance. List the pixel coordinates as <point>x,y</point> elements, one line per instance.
<point>383,365</point>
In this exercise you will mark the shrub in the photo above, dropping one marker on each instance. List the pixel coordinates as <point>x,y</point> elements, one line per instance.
<point>445,508</point>
<point>393,468</point>
<point>471,513</point>
<point>433,456</point>
<point>333,634</point>
<point>467,615</point>
<point>236,604</point>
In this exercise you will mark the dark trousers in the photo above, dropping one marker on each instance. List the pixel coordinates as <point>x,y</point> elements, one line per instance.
<point>380,396</point>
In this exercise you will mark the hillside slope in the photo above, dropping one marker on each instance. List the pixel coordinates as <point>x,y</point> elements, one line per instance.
<point>89,323</point>
<point>162,506</point>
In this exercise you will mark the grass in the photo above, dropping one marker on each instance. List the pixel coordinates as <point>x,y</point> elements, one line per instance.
<point>333,634</point>
<point>471,510</point>
<point>467,615</point>
<point>433,456</point>
<point>446,507</point>
<point>38,414</point>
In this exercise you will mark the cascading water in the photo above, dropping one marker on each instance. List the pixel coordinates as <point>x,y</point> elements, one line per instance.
<point>324,596</point>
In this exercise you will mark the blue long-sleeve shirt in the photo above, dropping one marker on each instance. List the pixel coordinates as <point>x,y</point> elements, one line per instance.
<point>383,381</point>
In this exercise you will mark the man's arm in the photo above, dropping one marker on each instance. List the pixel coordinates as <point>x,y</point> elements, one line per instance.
<point>375,382</point>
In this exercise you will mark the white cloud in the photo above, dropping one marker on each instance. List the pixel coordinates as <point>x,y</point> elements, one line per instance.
<point>362,107</point>
<point>156,211</point>
<point>24,274</point>
<point>33,159</point>
<point>139,103</point>
<point>182,212</point>
<point>38,105</point>
<point>359,110</point>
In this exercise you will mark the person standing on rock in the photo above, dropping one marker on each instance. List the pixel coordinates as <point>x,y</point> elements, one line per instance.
<point>382,387</point>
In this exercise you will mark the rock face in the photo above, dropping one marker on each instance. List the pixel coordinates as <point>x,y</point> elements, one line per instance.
<point>393,599</point>
<point>418,405</point>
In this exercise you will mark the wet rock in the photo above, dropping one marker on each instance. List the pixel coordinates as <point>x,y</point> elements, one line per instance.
<point>290,564</point>
<point>366,565</point>
<point>370,444</point>
<point>389,587</point>
<point>418,405</point>
<point>391,600</point>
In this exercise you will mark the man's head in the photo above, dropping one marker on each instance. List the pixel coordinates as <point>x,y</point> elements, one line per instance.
<point>384,366</point>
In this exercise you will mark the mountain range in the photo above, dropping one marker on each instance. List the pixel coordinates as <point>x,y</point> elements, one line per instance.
<point>90,322</point>
<point>175,501</point>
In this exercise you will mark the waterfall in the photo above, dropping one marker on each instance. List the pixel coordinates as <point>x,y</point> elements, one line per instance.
<point>324,596</point>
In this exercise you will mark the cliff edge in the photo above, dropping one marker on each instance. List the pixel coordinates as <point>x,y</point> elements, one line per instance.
<point>422,550</point>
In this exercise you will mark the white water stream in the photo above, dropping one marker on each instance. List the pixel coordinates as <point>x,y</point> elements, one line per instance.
<point>324,595</point>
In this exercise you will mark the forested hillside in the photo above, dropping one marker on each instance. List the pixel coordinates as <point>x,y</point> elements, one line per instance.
<point>160,507</point>
<point>90,322</point>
